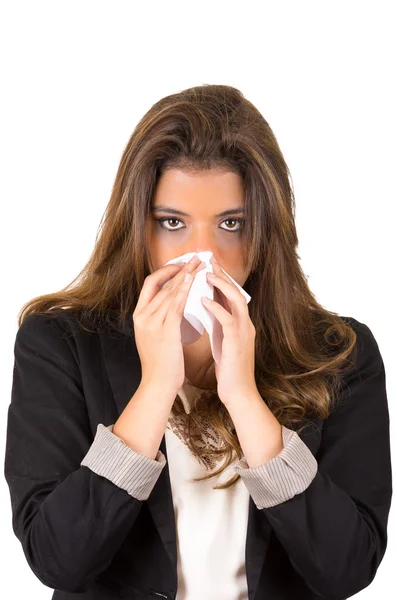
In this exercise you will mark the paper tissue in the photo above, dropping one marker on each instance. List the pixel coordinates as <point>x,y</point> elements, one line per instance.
<point>196,317</point>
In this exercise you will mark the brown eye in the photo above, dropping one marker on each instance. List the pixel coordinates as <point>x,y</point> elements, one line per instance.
<point>240,221</point>
<point>163,220</point>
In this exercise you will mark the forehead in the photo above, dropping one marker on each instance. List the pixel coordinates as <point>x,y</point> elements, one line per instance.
<point>176,184</point>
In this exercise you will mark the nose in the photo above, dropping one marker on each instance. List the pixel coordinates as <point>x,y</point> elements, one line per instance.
<point>202,240</point>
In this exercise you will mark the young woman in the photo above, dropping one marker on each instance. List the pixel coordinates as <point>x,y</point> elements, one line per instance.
<point>140,468</point>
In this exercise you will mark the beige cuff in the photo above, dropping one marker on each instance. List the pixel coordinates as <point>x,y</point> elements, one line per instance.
<point>283,476</point>
<point>110,457</point>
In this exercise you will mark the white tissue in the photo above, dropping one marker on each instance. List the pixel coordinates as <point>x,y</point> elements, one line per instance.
<point>196,317</point>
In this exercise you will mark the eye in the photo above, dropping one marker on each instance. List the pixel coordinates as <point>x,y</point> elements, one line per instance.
<point>165,219</point>
<point>235,220</point>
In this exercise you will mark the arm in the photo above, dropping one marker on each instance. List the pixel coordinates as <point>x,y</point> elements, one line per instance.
<point>69,519</point>
<point>335,530</point>
<point>276,464</point>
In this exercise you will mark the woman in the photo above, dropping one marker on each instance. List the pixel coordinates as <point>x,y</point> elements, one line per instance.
<point>117,433</point>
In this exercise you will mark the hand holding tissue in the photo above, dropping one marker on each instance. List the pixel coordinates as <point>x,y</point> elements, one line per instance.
<point>196,317</point>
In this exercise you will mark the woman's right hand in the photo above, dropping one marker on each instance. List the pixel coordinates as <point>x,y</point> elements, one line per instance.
<point>157,323</point>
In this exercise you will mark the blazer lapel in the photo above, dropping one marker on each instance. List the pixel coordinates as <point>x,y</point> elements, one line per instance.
<point>124,371</point>
<point>258,536</point>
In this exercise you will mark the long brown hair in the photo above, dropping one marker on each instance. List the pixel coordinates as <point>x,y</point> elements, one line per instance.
<point>301,348</point>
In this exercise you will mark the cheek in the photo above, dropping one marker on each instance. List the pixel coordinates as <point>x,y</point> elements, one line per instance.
<point>166,239</point>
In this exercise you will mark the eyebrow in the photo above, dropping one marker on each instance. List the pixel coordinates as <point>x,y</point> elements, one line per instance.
<point>174,211</point>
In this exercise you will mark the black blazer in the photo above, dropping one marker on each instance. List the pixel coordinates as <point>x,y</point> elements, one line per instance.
<point>87,538</point>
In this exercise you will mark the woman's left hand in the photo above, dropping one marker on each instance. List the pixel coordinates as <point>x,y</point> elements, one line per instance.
<point>235,371</point>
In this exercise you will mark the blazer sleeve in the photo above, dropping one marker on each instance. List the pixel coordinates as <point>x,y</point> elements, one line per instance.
<point>335,530</point>
<point>69,519</point>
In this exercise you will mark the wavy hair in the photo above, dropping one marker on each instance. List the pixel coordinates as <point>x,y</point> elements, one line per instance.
<point>301,348</point>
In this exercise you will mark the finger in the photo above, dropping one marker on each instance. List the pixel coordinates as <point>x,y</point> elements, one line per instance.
<point>218,295</point>
<point>174,303</point>
<point>164,297</point>
<point>217,270</point>
<point>153,281</point>
<point>221,314</point>
<point>232,294</point>
<point>172,308</point>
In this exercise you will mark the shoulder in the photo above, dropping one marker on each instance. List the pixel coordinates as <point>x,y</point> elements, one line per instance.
<point>56,331</point>
<point>71,329</point>
<point>364,381</point>
<point>367,351</point>
<point>49,323</point>
<point>66,321</point>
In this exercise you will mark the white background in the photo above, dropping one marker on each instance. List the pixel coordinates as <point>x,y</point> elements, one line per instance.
<point>77,76</point>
